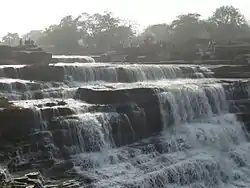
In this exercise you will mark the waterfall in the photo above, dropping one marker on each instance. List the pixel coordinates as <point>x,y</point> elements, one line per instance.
<point>192,101</point>
<point>128,73</point>
<point>110,136</point>
<point>205,147</point>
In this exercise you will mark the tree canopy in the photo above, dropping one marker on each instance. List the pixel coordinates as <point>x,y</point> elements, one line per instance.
<point>99,33</point>
<point>11,39</point>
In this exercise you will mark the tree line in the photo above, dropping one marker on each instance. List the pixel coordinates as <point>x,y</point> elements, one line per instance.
<point>100,33</point>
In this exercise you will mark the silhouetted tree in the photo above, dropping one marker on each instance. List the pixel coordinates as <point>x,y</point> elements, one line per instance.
<point>187,27</point>
<point>11,39</point>
<point>228,15</point>
<point>97,33</point>
<point>159,32</point>
<point>227,23</point>
<point>33,35</point>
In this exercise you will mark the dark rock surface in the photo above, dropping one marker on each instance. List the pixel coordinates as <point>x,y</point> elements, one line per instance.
<point>242,71</point>
<point>41,73</point>
<point>23,55</point>
<point>33,180</point>
<point>139,105</point>
<point>16,123</point>
<point>238,94</point>
<point>36,72</point>
<point>32,57</point>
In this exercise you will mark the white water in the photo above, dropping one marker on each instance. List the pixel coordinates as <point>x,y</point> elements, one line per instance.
<point>128,73</point>
<point>192,155</point>
<point>204,147</point>
<point>201,145</point>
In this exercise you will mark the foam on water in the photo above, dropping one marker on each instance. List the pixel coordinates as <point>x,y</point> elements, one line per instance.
<point>17,89</point>
<point>128,73</point>
<point>204,146</point>
<point>188,155</point>
<point>201,144</point>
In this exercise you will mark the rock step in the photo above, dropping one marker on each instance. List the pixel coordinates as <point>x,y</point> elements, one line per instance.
<point>109,73</point>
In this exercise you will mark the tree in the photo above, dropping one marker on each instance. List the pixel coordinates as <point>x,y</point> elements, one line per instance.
<point>101,22</point>
<point>11,39</point>
<point>63,37</point>
<point>227,23</point>
<point>160,32</point>
<point>228,15</point>
<point>96,33</point>
<point>185,19</point>
<point>187,27</point>
<point>33,35</point>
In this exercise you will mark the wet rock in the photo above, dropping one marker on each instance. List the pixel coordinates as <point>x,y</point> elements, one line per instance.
<point>38,95</point>
<point>32,57</point>
<point>70,184</point>
<point>5,52</point>
<point>227,71</point>
<point>35,175</point>
<point>4,176</point>
<point>23,179</point>
<point>237,90</point>
<point>62,103</point>
<point>49,73</point>
<point>36,183</point>
<point>62,137</point>
<point>141,106</point>
<point>11,72</point>
<point>60,170</point>
<point>16,123</point>
<point>15,165</point>
<point>64,111</point>
<point>50,104</point>
<point>73,59</point>
<point>238,94</point>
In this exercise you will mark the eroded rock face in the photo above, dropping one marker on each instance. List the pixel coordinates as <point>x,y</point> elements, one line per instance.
<point>16,123</point>
<point>238,94</point>
<point>140,105</point>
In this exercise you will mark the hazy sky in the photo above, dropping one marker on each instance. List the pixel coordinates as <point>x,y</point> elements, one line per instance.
<point>24,15</point>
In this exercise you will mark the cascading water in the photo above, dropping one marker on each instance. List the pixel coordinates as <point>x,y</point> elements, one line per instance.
<point>200,144</point>
<point>201,147</point>
<point>128,73</point>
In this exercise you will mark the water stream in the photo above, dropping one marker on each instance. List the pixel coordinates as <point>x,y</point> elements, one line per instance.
<point>200,145</point>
